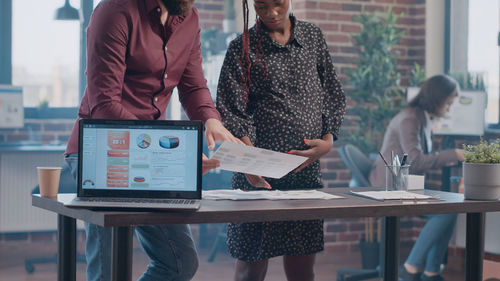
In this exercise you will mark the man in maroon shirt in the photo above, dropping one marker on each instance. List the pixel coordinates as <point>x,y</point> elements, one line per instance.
<point>137,52</point>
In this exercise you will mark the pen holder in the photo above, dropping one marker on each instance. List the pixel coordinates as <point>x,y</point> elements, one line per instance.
<point>396,177</point>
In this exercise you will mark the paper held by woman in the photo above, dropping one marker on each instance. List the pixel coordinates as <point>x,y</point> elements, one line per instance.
<point>256,161</point>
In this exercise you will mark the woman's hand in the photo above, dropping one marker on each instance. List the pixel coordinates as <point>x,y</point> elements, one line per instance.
<point>254,180</point>
<point>208,164</point>
<point>319,147</point>
<point>257,181</point>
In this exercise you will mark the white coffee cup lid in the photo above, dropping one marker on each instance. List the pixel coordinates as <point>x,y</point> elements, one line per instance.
<point>49,168</point>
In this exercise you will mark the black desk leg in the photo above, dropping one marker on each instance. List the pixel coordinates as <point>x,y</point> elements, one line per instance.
<point>474,247</point>
<point>66,259</point>
<point>121,259</point>
<point>391,254</point>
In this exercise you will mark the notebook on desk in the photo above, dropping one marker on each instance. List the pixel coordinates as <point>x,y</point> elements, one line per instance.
<point>153,164</point>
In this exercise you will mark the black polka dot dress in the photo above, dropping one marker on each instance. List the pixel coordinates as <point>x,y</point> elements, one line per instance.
<point>294,94</point>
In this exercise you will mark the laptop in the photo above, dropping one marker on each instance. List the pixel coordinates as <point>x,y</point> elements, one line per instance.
<point>151,164</point>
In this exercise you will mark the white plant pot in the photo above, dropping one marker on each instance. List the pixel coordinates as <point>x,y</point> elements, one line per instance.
<point>481,181</point>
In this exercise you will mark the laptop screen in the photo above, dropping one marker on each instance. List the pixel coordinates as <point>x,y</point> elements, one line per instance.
<point>139,158</point>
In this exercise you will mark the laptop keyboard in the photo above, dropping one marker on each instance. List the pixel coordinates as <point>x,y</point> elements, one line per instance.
<point>142,200</point>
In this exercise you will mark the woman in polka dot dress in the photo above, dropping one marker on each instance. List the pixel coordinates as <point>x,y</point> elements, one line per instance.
<point>278,90</point>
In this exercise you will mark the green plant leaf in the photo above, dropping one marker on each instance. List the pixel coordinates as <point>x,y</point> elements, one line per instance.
<point>375,81</point>
<point>483,152</point>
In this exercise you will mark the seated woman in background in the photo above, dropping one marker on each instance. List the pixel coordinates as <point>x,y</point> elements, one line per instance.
<point>410,132</point>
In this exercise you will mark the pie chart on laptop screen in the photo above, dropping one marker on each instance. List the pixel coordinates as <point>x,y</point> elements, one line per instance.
<point>169,142</point>
<point>143,141</point>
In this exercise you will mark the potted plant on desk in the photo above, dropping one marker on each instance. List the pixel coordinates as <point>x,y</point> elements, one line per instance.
<point>481,171</point>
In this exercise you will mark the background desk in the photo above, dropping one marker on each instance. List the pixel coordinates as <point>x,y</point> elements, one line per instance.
<point>264,210</point>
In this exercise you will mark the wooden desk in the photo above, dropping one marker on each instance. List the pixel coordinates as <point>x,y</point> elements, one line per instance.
<point>264,210</point>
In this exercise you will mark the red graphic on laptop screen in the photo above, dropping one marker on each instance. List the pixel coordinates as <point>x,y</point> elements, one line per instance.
<point>118,158</point>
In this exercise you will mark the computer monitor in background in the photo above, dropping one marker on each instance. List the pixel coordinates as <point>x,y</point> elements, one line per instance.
<point>466,116</point>
<point>11,107</point>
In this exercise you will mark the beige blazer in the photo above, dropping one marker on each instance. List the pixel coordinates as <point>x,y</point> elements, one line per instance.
<point>405,134</point>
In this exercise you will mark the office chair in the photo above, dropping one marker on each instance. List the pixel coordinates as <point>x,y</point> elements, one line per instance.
<point>67,184</point>
<point>359,165</point>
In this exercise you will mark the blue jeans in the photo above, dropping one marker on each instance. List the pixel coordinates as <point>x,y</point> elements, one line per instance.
<point>432,243</point>
<point>170,247</point>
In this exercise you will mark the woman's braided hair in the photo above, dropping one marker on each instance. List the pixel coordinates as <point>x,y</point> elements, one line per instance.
<point>245,61</point>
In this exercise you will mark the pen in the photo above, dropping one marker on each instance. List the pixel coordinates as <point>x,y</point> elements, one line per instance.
<point>382,156</point>
<point>396,165</point>
<point>386,164</point>
<point>396,161</point>
<point>403,161</point>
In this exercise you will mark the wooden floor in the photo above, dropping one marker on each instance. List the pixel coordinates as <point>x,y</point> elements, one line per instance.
<point>12,256</point>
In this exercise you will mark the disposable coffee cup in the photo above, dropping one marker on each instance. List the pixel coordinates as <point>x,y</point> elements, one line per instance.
<point>48,180</point>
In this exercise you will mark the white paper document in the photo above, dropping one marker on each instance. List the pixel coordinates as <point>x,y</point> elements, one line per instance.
<point>238,194</point>
<point>391,195</point>
<point>256,161</point>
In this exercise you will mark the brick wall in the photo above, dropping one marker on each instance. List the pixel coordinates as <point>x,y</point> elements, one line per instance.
<point>335,19</point>
<point>211,13</point>
<point>46,131</point>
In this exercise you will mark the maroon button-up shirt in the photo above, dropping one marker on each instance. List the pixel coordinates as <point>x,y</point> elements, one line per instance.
<point>134,63</point>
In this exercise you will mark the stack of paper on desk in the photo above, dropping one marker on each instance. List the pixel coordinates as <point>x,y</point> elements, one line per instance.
<point>256,161</point>
<point>391,195</point>
<point>238,194</point>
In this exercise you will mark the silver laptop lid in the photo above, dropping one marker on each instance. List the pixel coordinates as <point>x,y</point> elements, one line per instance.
<point>139,158</point>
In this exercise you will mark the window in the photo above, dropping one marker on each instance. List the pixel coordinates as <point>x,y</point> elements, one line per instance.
<point>45,53</point>
<point>483,49</point>
<point>474,34</point>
